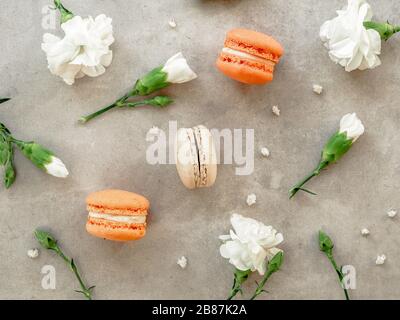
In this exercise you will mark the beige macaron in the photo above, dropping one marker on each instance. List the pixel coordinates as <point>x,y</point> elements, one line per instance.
<point>196,157</point>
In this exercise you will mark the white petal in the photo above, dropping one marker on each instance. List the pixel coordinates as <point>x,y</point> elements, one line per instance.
<point>56,168</point>
<point>177,70</point>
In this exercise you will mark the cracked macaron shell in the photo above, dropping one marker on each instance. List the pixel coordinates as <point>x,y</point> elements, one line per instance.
<point>196,157</point>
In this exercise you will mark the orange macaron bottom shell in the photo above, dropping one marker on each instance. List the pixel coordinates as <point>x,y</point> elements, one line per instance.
<point>244,70</point>
<point>115,231</point>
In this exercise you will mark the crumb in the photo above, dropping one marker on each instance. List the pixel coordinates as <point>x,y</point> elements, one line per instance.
<point>380,259</point>
<point>365,232</point>
<point>276,111</point>
<point>392,213</point>
<point>172,23</point>
<point>265,152</point>
<point>317,88</point>
<point>155,131</point>
<point>182,262</point>
<point>33,253</point>
<point>251,199</point>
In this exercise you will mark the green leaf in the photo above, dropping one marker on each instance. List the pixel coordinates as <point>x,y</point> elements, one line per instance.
<point>276,262</point>
<point>46,240</point>
<point>9,173</point>
<point>325,243</point>
<point>336,147</point>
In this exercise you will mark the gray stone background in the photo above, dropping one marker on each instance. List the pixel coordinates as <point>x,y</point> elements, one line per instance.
<point>110,153</point>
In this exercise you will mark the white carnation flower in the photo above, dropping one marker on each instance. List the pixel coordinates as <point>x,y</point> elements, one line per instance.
<point>350,44</point>
<point>250,244</point>
<point>84,50</point>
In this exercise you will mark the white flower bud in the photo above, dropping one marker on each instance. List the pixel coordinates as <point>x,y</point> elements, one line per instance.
<point>177,70</point>
<point>56,168</point>
<point>352,126</point>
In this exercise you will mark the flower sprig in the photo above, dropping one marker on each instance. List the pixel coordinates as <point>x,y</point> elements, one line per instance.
<point>251,246</point>
<point>326,246</point>
<point>351,128</point>
<point>47,241</point>
<point>175,70</point>
<point>38,155</point>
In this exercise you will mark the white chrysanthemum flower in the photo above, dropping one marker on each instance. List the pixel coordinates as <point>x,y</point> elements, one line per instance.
<point>84,50</point>
<point>250,245</point>
<point>349,43</point>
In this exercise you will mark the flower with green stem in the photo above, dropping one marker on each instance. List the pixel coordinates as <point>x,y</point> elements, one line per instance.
<point>38,155</point>
<point>273,266</point>
<point>326,246</point>
<point>249,247</point>
<point>47,241</point>
<point>175,70</point>
<point>351,128</point>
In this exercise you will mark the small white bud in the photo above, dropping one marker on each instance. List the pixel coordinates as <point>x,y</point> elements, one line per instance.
<point>172,23</point>
<point>392,213</point>
<point>251,199</point>
<point>265,152</point>
<point>182,262</point>
<point>317,88</point>
<point>380,259</point>
<point>365,232</point>
<point>276,111</point>
<point>33,253</point>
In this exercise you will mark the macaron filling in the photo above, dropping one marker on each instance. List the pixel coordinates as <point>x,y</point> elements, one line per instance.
<point>264,53</point>
<point>116,218</point>
<point>244,55</point>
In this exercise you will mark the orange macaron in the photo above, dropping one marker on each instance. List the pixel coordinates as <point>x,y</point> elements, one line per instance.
<point>117,215</point>
<point>249,56</point>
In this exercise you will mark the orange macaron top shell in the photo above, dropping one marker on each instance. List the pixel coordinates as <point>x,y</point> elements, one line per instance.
<point>249,56</point>
<point>117,215</point>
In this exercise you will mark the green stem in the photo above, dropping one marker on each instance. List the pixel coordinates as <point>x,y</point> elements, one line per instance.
<point>239,278</point>
<point>4,100</point>
<point>339,273</point>
<point>119,103</point>
<point>260,287</point>
<point>85,291</point>
<point>299,185</point>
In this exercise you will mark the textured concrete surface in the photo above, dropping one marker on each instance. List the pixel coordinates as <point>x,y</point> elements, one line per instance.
<point>110,153</point>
